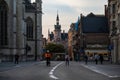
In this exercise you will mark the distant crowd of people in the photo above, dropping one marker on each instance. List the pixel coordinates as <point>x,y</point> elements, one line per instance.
<point>48,56</point>
<point>96,58</point>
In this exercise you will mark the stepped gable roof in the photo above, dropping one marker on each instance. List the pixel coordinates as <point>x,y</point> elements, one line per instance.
<point>94,24</point>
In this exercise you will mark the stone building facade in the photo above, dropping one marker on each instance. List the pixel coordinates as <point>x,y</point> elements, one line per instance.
<point>71,40</point>
<point>89,34</point>
<point>114,23</point>
<point>18,21</point>
<point>94,32</point>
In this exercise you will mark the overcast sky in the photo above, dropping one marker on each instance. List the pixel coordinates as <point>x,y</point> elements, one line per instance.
<point>68,10</point>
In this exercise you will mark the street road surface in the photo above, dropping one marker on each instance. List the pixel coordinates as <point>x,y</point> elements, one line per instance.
<point>57,71</point>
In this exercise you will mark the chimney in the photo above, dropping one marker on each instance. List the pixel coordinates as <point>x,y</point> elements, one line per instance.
<point>106,12</point>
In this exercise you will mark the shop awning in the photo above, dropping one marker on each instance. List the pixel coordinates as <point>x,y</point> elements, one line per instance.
<point>96,51</point>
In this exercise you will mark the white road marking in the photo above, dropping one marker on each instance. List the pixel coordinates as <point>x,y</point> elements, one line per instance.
<point>98,71</point>
<point>53,69</point>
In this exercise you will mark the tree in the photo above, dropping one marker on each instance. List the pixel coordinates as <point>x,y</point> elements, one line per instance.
<point>56,48</point>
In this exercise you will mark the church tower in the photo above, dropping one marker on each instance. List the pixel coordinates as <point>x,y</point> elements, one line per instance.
<point>57,30</point>
<point>21,21</point>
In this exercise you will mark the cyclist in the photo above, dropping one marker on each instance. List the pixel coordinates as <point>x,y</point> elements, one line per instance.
<point>48,57</point>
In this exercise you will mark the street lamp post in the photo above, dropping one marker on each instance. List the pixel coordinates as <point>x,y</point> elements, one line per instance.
<point>36,32</point>
<point>25,45</point>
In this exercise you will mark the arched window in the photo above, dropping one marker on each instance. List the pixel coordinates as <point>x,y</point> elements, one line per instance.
<point>29,28</point>
<point>3,23</point>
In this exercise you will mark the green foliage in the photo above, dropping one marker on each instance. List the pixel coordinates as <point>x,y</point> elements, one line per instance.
<point>56,48</point>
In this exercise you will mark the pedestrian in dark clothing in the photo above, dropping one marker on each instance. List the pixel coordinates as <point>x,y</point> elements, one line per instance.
<point>101,59</point>
<point>110,58</point>
<point>67,58</point>
<point>96,58</point>
<point>16,58</point>
<point>86,58</point>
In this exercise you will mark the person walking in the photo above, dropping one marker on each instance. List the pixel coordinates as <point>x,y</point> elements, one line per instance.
<point>96,58</point>
<point>110,58</point>
<point>16,58</point>
<point>86,59</point>
<point>101,59</point>
<point>67,59</point>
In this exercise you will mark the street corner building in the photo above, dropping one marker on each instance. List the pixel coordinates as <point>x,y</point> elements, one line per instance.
<point>20,29</point>
<point>114,23</point>
<point>97,33</point>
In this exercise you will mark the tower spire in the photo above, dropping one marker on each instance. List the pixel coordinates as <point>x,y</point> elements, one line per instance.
<point>57,19</point>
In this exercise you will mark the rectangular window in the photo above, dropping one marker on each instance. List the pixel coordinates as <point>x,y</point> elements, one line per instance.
<point>113,8</point>
<point>29,31</point>
<point>113,24</point>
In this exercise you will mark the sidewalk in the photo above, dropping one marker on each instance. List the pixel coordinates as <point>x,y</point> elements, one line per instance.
<point>107,69</point>
<point>5,66</point>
